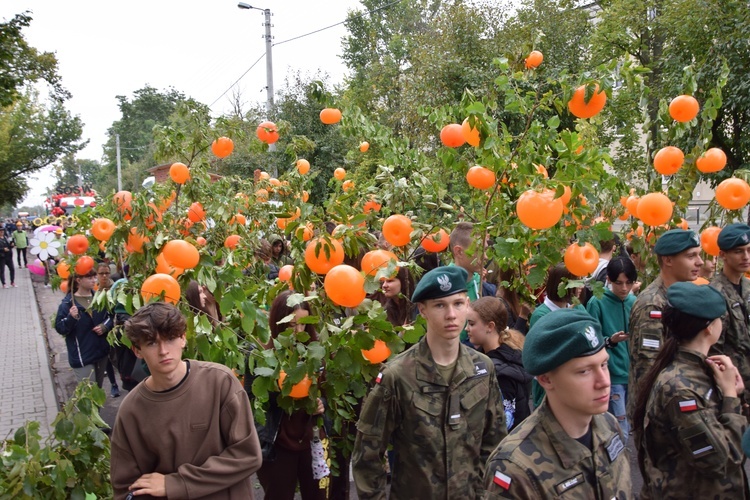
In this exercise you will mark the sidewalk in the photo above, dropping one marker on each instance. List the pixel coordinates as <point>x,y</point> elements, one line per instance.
<point>27,388</point>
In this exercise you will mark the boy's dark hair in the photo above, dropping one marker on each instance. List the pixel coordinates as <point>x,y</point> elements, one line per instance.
<point>621,265</point>
<point>156,319</point>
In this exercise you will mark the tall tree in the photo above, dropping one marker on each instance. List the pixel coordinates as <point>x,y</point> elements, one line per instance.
<point>70,168</point>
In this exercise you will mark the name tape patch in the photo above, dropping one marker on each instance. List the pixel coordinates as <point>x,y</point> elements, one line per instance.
<point>569,483</point>
<point>651,343</point>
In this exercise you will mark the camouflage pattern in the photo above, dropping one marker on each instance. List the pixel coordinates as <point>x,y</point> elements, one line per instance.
<point>442,433</point>
<point>735,334</point>
<point>645,335</point>
<point>539,460</point>
<point>691,436</point>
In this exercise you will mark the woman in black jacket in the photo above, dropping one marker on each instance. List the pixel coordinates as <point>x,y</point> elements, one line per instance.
<point>487,328</point>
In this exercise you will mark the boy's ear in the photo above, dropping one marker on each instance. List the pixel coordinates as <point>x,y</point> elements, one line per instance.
<point>136,351</point>
<point>545,381</point>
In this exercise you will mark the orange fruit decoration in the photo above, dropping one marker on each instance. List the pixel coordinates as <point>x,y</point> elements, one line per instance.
<point>78,244</point>
<point>238,219</point>
<point>371,206</point>
<point>668,160</point>
<point>339,174</point>
<point>436,242</point>
<point>264,176</point>
<point>655,209</point>
<point>329,116</point>
<point>364,146</point>
<point>711,161</point>
<point>267,132</point>
<point>196,213</point>
<point>303,166</point>
<point>180,253</point>
<point>306,232</point>
<point>136,241</point>
<point>322,255</point>
<point>123,201</point>
<point>710,240</point>
<point>379,353</point>
<point>397,230</point>
<point>582,109</point>
<point>375,260</point>
<point>542,170</point>
<point>347,186</point>
<point>632,204</point>
<point>732,193</point>
<point>64,287</point>
<point>179,173</point>
<point>274,182</point>
<point>158,284</point>
<point>305,196</point>
<point>470,134</point>
<point>63,269</point>
<point>232,241</point>
<point>102,229</point>
<point>167,202</point>
<point>164,267</point>
<point>534,59</point>
<point>565,197</point>
<point>480,177</point>
<point>261,195</point>
<point>452,136</point>
<point>581,260</point>
<point>345,286</point>
<point>200,240</point>
<point>285,273</point>
<point>299,390</point>
<point>539,210</point>
<point>222,147</point>
<point>84,265</point>
<point>683,108</point>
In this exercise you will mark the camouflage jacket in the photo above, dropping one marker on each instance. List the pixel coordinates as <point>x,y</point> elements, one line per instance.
<point>645,335</point>
<point>442,433</point>
<point>735,335</point>
<point>691,436</point>
<point>538,460</point>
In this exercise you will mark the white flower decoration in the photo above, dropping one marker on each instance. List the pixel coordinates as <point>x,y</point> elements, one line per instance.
<point>45,245</point>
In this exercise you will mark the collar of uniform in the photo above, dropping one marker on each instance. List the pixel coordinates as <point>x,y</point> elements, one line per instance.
<point>692,357</point>
<point>730,287</point>
<point>570,451</point>
<point>427,370</point>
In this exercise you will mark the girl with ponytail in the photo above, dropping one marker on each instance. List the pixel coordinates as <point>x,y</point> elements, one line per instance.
<point>687,421</point>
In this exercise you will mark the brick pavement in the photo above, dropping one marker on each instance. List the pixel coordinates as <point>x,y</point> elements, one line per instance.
<point>26,392</point>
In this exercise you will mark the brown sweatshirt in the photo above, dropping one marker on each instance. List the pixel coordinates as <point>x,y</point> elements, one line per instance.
<point>200,435</point>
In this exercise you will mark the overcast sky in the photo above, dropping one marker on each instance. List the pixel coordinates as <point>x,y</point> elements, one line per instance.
<point>199,47</point>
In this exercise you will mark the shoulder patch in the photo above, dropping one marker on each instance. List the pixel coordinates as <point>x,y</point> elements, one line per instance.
<point>654,314</point>
<point>614,447</point>
<point>502,480</point>
<point>480,368</point>
<point>688,405</point>
<point>379,378</point>
<point>569,483</point>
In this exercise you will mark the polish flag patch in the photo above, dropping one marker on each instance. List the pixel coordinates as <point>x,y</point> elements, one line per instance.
<point>502,480</point>
<point>688,405</point>
<point>654,315</point>
<point>379,378</point>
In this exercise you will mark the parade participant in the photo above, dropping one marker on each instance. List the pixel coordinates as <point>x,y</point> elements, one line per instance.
<point>21,240</point>
<point>734,251</point>
<point>688,424</point>
<point>396,292</point>
<point>570,447</point>
<point>279,255</point>
<point>6,259</point>
<point>104,281</point>
<point>679,257</point>
<point>612,311</point>
<point>187,431</point>
<point>438,403</point>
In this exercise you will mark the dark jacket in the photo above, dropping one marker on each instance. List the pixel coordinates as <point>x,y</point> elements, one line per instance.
<point>6,248</point>
<point>84,346</point>
<point>514,382</point>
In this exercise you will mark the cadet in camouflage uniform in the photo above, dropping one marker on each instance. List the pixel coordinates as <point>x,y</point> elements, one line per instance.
<point>438,403</point>
<point>688,425</point>
<point>570,447</point>
<point>734,246</point>
<point>678,252</point>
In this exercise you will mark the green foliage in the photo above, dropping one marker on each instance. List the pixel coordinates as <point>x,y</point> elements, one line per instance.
<point>70,463</point>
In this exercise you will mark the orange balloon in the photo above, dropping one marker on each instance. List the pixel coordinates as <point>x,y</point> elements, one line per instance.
<point>123,201</point>
<point>322,255</point>
<point>196,213</point>
<point>267,132</point>
<point>711,161</point>
<point>238,219</point>
<point>303,166</point>
<point>371,206</point>
<point>700,280</point>
<point>632,205</point>
<point>63,269</point>
<point>436,242</point>
<point>347,186</point>
<point>565,197</point>
<point>364,146</point>
<point>285,273</point>
<point>84,265</point>
<point>710,240</point>
<point>180,253</point>
<point>581,260</point>
<point>480,177</point>
<point>102,229</point>
<point>379,353</point>
<point>683,108</point>
<point>534,59</point>
<point>306,232</point>
<point>164,267</point>
<point>655,209</point>
<point>375,260</point>
<point>299,390</point>
<point>539,210</point>
<point>582,109</point>
<point>339,174</point>
<point>179,173</point>
<point>397,230</point>
<point>78,244</point>
<point>732,193</point>
<point>330,116</point>
<point>201,241</point>
<point>470,134</point>
<point>158,284</point>
<point>136,241</point>
<point>64,287</point>
<point>222,147</point>
<point>668,160</point>
<point>232,241</point>
<point>345,286</point>
<point>452,136</point>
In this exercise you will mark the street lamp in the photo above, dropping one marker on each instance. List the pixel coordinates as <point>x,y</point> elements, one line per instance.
<point>269,58</point>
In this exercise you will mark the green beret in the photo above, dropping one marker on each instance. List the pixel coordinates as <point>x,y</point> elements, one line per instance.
<point>440,282</point>
<point>559,336</point>
<point>675,241</point>
<point>704,302</point>
<point>733,236</point>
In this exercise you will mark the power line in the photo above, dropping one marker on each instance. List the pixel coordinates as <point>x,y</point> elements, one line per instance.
<point>238,80</point>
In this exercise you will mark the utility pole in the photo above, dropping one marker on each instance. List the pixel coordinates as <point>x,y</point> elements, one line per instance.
<point>119,167</point>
